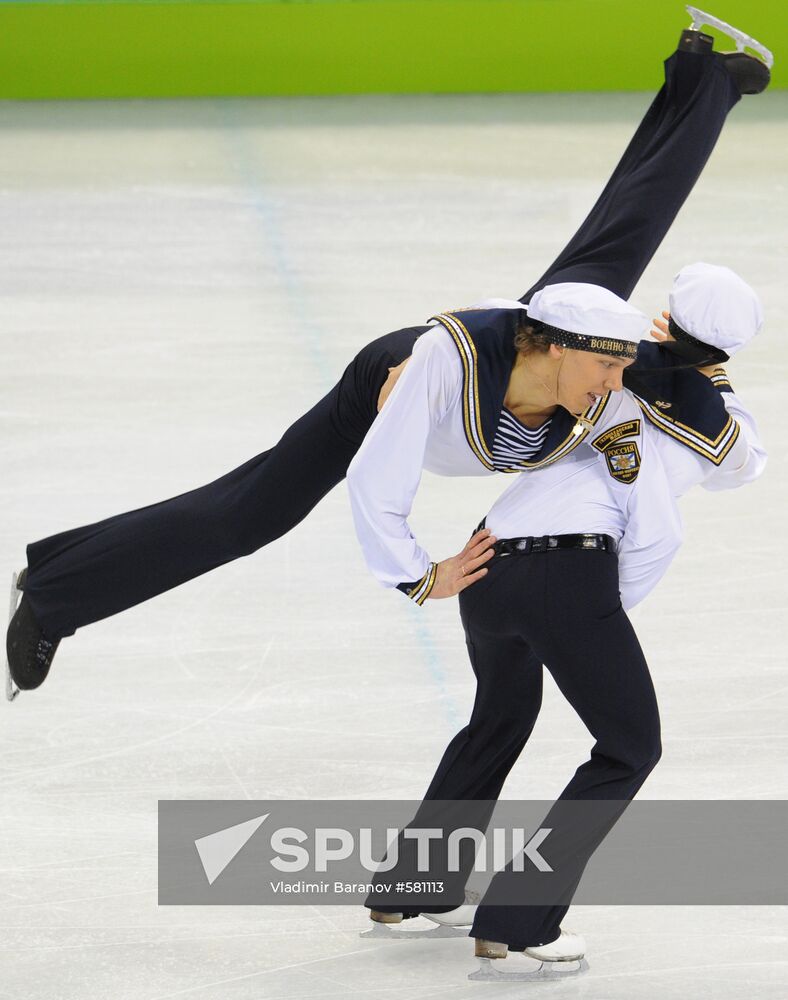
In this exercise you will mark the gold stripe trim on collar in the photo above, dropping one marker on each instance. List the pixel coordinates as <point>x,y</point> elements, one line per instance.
<point>712,443</point>
<point>692,439</point>
<point>470,390</point>
<point>471,414</point>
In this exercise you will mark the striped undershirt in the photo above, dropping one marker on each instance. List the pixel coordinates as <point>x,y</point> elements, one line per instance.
<point>515,442</point>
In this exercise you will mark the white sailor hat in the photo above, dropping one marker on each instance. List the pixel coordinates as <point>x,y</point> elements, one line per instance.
<point>712,304</point>
<point>588,318</point>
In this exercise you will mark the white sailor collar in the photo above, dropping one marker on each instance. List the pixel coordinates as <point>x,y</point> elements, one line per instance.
<point>484,339</point>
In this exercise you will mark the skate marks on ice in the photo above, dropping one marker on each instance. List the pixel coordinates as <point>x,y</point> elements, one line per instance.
<point>148,727</point>
<point>163,738</point>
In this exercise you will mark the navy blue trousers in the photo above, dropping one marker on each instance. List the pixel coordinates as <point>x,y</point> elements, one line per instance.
<point>664,158</point>
<point>91,572</point>
<point>559,609</point>
<point>565,613</point>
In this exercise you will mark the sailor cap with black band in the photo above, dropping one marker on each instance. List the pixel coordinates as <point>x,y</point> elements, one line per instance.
<point>713,314</point>
<point>588,317</point>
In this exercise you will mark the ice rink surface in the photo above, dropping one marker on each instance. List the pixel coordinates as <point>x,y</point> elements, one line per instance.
<point>180,281</point>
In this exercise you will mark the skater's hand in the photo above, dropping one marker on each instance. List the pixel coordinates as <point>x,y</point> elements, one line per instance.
<point>467,567</point>
<point>662,333</point>
<point>391,381</point>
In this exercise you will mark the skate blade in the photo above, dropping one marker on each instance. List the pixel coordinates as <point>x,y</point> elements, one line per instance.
<point>11,690</point>
<point>701,19</point>
<point>488,972</point>
<point>393,933</point>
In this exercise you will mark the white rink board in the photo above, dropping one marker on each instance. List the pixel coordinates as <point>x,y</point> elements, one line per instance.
<point>180,281</point>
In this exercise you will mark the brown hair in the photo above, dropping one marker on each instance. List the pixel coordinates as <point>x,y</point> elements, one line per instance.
<point>531,338</point>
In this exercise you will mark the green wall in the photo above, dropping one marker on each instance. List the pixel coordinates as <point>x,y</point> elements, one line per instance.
<point>173,48</point>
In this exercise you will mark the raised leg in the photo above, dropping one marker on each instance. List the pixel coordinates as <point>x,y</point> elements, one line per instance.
<point>89,573</point>
<point>653,179</point>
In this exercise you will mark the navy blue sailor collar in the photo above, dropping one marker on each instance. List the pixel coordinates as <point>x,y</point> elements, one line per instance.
<point>682,402</point>
<point>484,339</point>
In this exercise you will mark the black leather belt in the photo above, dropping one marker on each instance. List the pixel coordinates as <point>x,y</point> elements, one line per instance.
<point>549,543</point>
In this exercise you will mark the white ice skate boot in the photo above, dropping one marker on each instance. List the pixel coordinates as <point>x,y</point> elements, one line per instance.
<point>390,929</point>
<point>560,959</point>
<point>381,917</point>
<point>567,947</point>
<point>460,916</point>
<point>453,923</point>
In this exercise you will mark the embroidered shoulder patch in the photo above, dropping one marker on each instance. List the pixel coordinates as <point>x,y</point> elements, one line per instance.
<point>631,428</point>
<point>623,461</point>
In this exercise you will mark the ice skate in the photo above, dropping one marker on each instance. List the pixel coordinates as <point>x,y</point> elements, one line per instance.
<point>460,916</point>
<point>385,926</point>
<point>11,690</point>
<point>29,653</point>
<point>751,74</point>
<point>567,947</point>
<point>700,19</point>
<point>560,959</point>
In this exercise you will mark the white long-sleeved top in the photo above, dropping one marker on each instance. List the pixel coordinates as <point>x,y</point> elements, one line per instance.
<point>422,427</point>
<point>580,494</point>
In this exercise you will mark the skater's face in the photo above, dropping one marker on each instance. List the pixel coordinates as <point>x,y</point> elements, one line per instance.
<point>583,377</point>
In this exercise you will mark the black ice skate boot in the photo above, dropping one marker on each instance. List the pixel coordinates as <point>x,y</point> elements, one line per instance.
<point>29,652</point>
<point>751,74</point>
